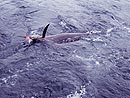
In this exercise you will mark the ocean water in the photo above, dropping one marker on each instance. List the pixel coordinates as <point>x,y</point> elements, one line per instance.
<point>97,66</point>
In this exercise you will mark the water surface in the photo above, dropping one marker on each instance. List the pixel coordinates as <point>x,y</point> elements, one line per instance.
<point>95,67</point>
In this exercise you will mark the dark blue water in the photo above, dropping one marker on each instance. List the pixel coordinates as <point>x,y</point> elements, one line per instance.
<point>98,66</point>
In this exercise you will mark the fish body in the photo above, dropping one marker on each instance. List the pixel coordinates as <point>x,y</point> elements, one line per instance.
<point>64,37</point>
<point>58,38</point>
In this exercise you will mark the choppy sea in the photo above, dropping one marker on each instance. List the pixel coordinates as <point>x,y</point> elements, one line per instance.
<point>98,66</point>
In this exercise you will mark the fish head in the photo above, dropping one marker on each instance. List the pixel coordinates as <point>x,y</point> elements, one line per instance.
<point>28,39</point>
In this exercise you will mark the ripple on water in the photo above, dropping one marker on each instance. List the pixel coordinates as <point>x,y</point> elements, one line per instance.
<point>60,71</point>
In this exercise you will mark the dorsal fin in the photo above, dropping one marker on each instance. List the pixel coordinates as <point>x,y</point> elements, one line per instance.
<point>45,30</point>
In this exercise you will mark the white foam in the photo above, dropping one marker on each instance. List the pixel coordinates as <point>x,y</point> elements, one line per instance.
<point>128,29</point>
<point>78,94</point>
<point>98,39</point>
<point>35,34</point>
<point>4,80</point>
<point>63,24</point>
<point>95,32</point>
<point>97,62</point>
<point>109,30</point>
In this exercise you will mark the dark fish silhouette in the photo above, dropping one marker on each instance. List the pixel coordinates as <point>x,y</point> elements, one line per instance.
<point>58,38</point>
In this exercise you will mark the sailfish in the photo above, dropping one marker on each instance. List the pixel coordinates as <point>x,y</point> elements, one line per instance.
<point>58,38</point>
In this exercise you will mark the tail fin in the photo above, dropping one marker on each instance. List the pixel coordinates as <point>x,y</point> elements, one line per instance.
<point>45,30</point>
